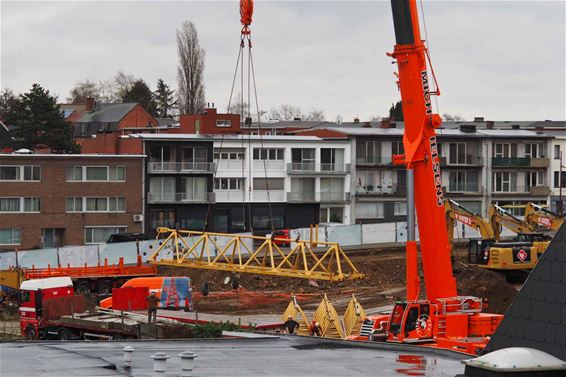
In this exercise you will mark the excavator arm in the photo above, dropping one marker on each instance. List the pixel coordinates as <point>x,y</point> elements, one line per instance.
<point>499,218</point>
<point>456,212</point>
<point>537,215</point>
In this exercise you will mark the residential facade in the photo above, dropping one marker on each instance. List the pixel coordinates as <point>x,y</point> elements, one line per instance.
<point>52,200</point>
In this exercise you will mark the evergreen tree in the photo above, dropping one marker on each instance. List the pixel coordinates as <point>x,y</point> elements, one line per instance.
<point>140,93</point>
<point>396,111</point>
<point>38,122</point>
<point>164,99</point>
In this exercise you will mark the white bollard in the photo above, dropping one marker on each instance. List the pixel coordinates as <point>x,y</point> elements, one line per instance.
<point>187,362</point>
<point>159,363</point>
<point>128,351</point>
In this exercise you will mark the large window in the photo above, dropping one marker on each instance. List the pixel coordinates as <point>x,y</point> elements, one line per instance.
<point>228,183</point>
<point>505,150</point>
<point>534,150</point>
<point>369,210</point>
<point>332,159</point>
<point>15,205</point>
<point>162,188</point>
<point>303,158</point>
<point>194,188</point>
<point>397,147</point>
<point>463,181</point>
<point>10,236</point>
<point>229,154</point>
<point>557,177</point>
<point>100,204</point>
<point>332,189</point>
<point>96,173</point>
<point>20,173</point>
<point>533,179</point>
<point>368,152</point>
<point>504,181</point>
<point>332,215</point>
<point>74,204</point>
<point>99,234</point>
<point>458,154</point>
<point>269,154</point>
<point>557,152</point>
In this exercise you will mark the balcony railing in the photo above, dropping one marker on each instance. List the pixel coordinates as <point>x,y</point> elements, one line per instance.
<point>323,168</point>
<point>467,160</point>
<point>180,167</point>
<point>334,196</point>
<point>180,197</point>
<point>464,187</point>
<point>511,161</point>
<point>230,195</point>
<point>539,191</point>
<point>269,165</point>
<point>274,196</point>
<point>382,190</point>
<point>374,160</point>
<point>300,197</point>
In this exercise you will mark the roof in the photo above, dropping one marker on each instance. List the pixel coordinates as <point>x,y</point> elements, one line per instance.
<point>68,155</point>
<point>105,117</point>
<point>225,137</point>
<point>536,317</point>
<point>56,282</point>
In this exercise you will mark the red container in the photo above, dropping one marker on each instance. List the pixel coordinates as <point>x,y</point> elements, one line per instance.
<point>129,298</point>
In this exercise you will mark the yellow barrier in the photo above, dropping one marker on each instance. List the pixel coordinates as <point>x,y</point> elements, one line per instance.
<point>327,317</point>
<point>292,310</point>
<point>353,317</point>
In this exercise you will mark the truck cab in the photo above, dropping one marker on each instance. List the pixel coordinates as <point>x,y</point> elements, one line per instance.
<point>411,322</point>
<point>32,295</point>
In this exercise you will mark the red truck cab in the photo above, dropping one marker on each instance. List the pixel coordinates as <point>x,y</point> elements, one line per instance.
<point>32,294</point>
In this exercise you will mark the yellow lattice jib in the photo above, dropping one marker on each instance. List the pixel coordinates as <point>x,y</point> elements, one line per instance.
<point>353,317</point>
<point>328,319</point>
<point>240,254</point>
<point>294,311</point>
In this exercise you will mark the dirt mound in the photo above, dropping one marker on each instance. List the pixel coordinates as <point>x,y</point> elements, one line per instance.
<point>488,285</point>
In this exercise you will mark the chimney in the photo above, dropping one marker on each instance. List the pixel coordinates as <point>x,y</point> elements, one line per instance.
<point>356,120</point>
<point>489,124</point>
<point>478,119</point>
<point>89,103</point>
<point>384,123</point>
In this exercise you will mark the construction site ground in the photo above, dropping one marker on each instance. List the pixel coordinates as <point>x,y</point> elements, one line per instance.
<point>384,283</point>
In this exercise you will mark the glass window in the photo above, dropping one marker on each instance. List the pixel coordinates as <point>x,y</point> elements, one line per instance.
<point>96,173</point>
<point>223,123</point>
<point>74,204</point>
<point>557,152</point>
<point>400,209</point>
<point>32,173</point>
<point>369,210</point>
<point>10,236</point>
<point>31,205</point>
<point>9,204</point>
<point>94,235</point>
<point>97,204</point>
<point>117,173</point>
<point>9,173</point>
<point>269,183</point>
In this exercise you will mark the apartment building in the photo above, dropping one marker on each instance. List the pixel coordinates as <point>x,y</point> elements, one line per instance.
<point>51,200</point>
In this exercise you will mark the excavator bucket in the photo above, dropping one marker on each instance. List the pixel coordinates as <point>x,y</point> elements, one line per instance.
<point>329,320</point>
<point>294,311</point>
<point>353,317</point>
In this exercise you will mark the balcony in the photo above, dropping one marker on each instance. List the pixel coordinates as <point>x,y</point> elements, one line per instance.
<point>467,160</point>
<point>301,197</point>
<point>539,191</point>
<point>334,197</point>
<point>374,160</point>
<point>511,162</point>
<point>269,165</point>
<point>540,162</point>
<point>181,167</point>
<point>180,197</point>
<point>230,195</point>
<point>370,190</point>
<point>271,196</point>
<point>311,168</point>
<point>464,188</point>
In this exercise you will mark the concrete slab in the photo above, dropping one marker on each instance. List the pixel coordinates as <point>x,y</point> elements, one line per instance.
<point>284,356</point>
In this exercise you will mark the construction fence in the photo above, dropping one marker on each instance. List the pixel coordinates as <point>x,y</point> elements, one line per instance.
<point>92,255</point>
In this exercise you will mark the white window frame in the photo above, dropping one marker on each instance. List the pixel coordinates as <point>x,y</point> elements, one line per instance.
<point>223,123</point>
<point>84,168</point>
<point>267,152</point>
<point>115,227</point>
<point>399,208</point>
<point>14,230</point>
<point>22,204</point>
<point>21,173</point>
<point>84,201</point>
<point>509,181</point>
<point>229,180</point>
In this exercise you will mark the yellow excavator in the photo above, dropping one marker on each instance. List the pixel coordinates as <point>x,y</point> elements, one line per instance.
<point>488,252</point>
<point>526,232</point>
<point>537,215</point>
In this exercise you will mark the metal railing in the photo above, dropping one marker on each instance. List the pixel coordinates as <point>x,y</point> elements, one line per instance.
<point>180,197</point>
<point>374,160</point>
<point>307,196</point>
<point>334,196</point>
<point>323,168</point>
<point>511,161</point>
<point>395,189</point>
<point>464,187</point>
<point>468,160</point>
<point>177,167</point>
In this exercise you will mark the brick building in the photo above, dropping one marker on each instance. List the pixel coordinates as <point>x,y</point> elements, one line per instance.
<point>51,200</point>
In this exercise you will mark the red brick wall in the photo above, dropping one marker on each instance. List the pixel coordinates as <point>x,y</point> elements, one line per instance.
<point>53,190</point>
<point>110,143</point>
<point>137,117</point>
<point>208,123</point>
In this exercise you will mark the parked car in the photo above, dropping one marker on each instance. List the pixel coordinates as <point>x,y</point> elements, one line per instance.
<point>126,237</point>
<point>283,237</point>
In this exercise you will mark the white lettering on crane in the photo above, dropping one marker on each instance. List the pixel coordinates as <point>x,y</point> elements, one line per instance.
<point>436,171</point>
<point>426,92</point>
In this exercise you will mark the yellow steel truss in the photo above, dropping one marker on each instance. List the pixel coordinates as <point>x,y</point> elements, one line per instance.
<point>236,253</point>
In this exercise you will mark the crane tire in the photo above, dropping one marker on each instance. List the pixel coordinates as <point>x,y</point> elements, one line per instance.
<point>104,287</point>
<point>64,334</point>
<point>83,287</point>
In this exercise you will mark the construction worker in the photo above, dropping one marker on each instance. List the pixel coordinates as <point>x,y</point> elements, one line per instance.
<point>152,301</point>
<point>315,329</point>
<point>290,325</point>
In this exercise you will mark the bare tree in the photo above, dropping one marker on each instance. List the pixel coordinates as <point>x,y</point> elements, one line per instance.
<point>290,112</point>
<point>123,83</point>
<point>83,90</point>
<point>237,106</point>
<point>190,69</point>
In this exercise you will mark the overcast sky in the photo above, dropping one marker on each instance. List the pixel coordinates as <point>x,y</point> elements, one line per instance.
<point>500,60</point>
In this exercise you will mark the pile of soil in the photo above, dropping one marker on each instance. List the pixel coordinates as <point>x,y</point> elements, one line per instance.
<point>488,285</point>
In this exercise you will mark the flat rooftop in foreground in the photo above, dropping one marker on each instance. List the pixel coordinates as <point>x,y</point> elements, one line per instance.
<point>272,356</point>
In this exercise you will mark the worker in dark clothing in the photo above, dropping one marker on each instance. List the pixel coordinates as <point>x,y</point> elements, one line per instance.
<point>152,301</point>
<point>290,325</point>
<point>315,329</point>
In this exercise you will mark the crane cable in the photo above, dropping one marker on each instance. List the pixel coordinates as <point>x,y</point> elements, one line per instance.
<point>427,51</point>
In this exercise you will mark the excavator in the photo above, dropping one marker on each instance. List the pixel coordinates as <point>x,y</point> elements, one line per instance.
<point>536,215</point>
<point>487,252</point>
<point>526,232</point>
<point>443,319</point>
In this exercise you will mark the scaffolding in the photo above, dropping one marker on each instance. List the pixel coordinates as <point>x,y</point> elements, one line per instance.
<point>253,254</point>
